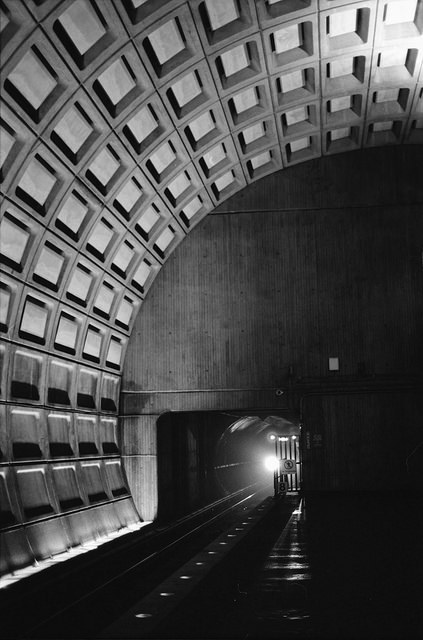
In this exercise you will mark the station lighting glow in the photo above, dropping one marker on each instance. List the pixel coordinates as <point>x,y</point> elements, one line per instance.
<point>8,579</point>
<point>271,463</point>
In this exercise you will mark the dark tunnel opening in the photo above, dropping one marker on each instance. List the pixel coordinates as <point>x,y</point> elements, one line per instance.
<point>205,456</point>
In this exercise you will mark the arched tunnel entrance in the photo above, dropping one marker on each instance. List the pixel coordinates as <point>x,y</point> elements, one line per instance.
<point>204,456</point>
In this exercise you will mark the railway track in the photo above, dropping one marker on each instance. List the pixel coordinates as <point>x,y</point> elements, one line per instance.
<point>77,598</point>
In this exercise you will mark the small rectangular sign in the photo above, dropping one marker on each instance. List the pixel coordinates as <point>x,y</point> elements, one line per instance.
<point>288,466</point>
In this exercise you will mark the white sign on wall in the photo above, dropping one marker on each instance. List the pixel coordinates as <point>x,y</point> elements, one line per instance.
<point>288,466</point>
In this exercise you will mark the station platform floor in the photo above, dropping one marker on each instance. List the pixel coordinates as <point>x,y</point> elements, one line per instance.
<point>338,566</point>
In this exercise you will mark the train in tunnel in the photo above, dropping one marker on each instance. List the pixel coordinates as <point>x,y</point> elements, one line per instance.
<point>206,456</point>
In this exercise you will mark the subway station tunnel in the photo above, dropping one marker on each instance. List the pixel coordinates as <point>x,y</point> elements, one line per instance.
<point>211,232</point>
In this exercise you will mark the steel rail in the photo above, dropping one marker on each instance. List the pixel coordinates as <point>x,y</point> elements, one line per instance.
<point>154,555</point>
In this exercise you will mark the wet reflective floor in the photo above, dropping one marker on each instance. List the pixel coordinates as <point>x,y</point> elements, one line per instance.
<point>281,593</point>
<point>342,566</point>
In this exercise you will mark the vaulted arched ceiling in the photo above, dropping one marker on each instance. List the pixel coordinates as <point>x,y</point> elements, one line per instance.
<point>123,123</point>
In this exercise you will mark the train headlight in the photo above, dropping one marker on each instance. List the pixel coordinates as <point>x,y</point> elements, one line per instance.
<point>271,463</point>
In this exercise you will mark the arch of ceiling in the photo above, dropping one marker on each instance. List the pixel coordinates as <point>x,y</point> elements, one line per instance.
<point>123,123</point>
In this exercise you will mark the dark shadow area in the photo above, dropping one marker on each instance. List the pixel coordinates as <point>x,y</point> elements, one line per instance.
<point>349,567</point>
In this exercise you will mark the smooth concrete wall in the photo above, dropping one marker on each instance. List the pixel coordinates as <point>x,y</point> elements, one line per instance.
<point>363,441</point>
<point>254,291</point>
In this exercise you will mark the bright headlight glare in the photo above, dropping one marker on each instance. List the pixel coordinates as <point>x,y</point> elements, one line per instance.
<point>271,463</point>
